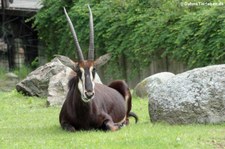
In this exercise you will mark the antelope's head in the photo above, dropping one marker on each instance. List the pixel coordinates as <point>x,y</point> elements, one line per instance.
<point>86,68</point>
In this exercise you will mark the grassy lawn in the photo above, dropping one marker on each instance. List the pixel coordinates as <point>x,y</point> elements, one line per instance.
<point>26,122</point>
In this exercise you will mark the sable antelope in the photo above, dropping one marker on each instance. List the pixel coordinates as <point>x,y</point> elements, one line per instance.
<point>90,105</point>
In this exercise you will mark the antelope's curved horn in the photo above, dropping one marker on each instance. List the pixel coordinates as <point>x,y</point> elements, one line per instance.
<point>91,40</point>
<point>79,52</point>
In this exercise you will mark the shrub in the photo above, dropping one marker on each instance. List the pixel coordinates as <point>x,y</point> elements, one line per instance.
<point>139,31</point>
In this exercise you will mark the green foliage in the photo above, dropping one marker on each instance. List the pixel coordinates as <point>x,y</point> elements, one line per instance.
<point>35,63</point>
<point>22,72</point>
<point>200,38</point>
<point>139,31</point>
<point>26,123</point>
<point>3,71</point>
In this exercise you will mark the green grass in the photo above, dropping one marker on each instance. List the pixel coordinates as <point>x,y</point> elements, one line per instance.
<point>21,72</point>
<point>26,122</point>
<point>8,83</point>
<point>3,71</point>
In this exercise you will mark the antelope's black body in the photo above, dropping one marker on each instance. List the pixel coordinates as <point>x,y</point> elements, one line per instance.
<point>107,110</point>
<point>91,105</point>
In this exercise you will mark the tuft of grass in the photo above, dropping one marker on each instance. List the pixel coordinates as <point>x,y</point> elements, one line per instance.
<point>8,83</point>
<point>22,72</point>
<point>26,122</point>
<point>3,71</point>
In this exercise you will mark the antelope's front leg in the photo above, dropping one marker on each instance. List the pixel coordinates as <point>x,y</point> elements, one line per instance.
<point>68,127</point>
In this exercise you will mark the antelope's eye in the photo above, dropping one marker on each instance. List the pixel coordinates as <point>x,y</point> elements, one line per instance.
<point>93,70</point>
<point>78,71</point>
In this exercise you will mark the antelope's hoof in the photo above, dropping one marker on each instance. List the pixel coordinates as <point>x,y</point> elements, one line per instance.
<point>68,127</point>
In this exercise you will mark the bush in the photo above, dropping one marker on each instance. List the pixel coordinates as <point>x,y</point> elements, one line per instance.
<point>139,31</point>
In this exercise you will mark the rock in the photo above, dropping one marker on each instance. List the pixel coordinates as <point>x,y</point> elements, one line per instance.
<point>58,87</point>
<point>11,75</point>
<point>50,80</point>
<point>143,88</point>
<point>8,82</point>
<point>36,83</point>
<point>195,96</point>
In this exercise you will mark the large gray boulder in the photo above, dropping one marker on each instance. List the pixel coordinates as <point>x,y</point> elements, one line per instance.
<point>143,88</point>
<point>36,83</point>
<point>195,96</point>
<point>58,87</point>
<point>51,79</point>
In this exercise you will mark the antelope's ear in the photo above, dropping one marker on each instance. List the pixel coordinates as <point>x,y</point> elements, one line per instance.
<point>67,62</point>
<point>102,60</point>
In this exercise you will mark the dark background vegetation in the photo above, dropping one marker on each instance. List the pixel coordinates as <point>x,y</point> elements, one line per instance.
<point>140,30</point>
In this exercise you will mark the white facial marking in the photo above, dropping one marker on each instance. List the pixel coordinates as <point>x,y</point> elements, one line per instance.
<point>81,84</point>
<point>92,77</point>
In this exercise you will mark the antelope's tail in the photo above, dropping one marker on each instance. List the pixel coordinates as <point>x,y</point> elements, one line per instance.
<point>132,114</point>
